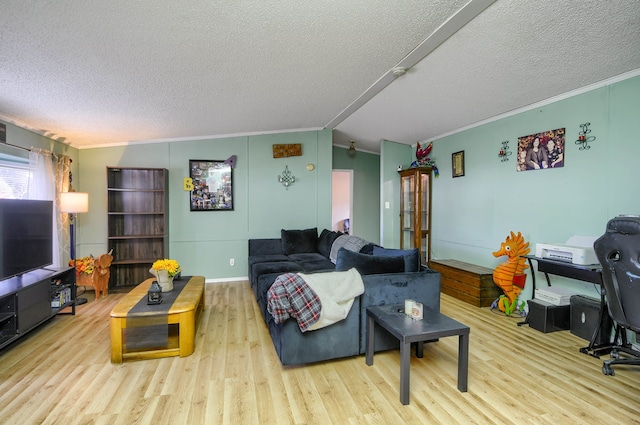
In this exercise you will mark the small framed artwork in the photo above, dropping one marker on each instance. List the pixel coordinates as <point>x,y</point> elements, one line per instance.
<point>212,185</point>
<point>457,164</point>
<point>284,151</point>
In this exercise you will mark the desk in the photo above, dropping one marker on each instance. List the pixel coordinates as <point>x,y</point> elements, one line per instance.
<point>586,273</point>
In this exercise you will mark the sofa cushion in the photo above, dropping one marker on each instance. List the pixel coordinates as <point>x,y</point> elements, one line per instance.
<point>325,240</point>
<point>265,246</point>
<point>299,241</point>
<point>280,267</point>
<point>312,262</point>
<point>368,264</point>
<point>267,258</point>
<point>411,256</point>
<point>318,266</point>
<point>276,267</point>
<point>306,256</point>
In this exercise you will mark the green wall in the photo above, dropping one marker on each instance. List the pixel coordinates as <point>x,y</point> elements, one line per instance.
<point>473,214</point>
<point>366,191</point>
<point>395,155</point>
<point>204,241</point>
<point>17,136</point>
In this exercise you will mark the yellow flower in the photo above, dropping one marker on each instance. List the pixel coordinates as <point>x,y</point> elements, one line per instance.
<point>171,266</point>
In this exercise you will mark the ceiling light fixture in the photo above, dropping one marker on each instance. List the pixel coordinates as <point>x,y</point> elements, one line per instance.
<point>352,148</point>
<point>399,71</point>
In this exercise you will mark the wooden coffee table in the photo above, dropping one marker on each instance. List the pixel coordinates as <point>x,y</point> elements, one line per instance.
<point>180,318</point>
<point>434,325</point>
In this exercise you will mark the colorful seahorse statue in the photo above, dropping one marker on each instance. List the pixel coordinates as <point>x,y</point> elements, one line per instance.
<point>509,276</point>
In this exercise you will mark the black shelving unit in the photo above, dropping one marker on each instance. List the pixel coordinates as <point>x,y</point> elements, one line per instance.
<point>27,301</point>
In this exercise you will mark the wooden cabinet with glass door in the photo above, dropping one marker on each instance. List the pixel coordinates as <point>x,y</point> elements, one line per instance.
<point>415,210</point>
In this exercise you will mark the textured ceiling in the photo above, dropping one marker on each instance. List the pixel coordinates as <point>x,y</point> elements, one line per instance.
<point>114,72</point>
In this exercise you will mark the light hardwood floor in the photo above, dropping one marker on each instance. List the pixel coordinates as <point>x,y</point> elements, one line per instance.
<point>61,374</point>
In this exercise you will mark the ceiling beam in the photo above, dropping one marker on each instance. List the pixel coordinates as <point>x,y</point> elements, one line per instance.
<point>457,21</point>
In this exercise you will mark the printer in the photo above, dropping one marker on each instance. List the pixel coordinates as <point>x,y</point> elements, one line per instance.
<point>577,250</point>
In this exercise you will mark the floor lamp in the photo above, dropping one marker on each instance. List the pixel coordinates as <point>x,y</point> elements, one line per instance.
<point>74,203</point>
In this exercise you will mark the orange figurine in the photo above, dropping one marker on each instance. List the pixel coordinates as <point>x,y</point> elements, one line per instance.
<point>509,276</point>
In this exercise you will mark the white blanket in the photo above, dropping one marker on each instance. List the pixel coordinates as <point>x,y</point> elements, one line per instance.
<point>336,291</point>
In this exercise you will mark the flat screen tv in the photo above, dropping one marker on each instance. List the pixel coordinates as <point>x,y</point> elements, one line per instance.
<point>26,236</point>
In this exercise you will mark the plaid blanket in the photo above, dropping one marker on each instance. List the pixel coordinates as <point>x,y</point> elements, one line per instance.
<point>290,296</point>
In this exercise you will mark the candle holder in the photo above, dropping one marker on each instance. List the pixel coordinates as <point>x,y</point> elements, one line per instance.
<point>504,151</point>
<point>154,296</point>
<point>583,138</point>
<point>286,178</point>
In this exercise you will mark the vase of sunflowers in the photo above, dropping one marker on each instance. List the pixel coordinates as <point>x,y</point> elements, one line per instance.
<point>164,271</point>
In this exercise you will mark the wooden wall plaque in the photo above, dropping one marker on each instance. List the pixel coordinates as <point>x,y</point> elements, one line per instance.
<point>283,151</point>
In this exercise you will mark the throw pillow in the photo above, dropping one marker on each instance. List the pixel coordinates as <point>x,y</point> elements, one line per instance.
<point>368,264</point>
<point>325,240</point>
<point>299,241</point>
<point>367,249</point>
<point>411,256</point>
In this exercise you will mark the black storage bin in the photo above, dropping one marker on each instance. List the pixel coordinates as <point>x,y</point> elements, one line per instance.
<point>585,315</point>
<point>547,317</point>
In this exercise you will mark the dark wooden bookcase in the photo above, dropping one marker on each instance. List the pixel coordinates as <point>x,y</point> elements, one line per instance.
<point>138,222</point>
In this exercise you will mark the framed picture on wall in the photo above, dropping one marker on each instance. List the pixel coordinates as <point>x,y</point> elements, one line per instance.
<point>541,150</point>
<point>457,164</point>
<point>212,185</point>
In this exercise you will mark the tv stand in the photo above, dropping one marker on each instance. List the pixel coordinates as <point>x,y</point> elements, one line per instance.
<point>29,300</point>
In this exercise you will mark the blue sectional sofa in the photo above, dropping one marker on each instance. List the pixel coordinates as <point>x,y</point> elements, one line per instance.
<point>389,277</point>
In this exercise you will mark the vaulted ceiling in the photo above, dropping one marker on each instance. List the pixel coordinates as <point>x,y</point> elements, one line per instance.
<point>114,72</point>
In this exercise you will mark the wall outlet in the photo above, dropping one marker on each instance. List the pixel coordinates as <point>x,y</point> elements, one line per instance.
<point>232,261</point>
<point>386,205</point>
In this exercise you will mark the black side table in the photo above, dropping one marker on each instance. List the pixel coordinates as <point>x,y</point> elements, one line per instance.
<point>434,325</point>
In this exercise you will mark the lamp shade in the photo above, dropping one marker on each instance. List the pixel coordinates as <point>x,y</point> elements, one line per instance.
<point>74,202</point>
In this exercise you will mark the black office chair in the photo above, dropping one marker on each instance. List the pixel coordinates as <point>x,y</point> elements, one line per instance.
<point>618,251</point>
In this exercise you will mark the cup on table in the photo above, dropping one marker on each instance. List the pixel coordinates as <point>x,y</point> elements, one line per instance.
<point>408,306</point>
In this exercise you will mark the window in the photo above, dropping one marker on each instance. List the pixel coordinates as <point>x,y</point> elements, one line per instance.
<point>14,176</point>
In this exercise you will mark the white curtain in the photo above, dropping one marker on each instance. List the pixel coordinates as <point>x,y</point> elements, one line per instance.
<point>63,184</point>
<point>42,185</point>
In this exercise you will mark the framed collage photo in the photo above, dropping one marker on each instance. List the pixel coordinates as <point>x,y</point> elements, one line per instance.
<point>212,185</point>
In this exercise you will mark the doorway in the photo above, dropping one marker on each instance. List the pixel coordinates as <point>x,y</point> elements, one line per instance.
<point>342,201</point>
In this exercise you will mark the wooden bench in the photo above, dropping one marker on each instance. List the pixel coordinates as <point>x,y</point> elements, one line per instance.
<point>467,282</point>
